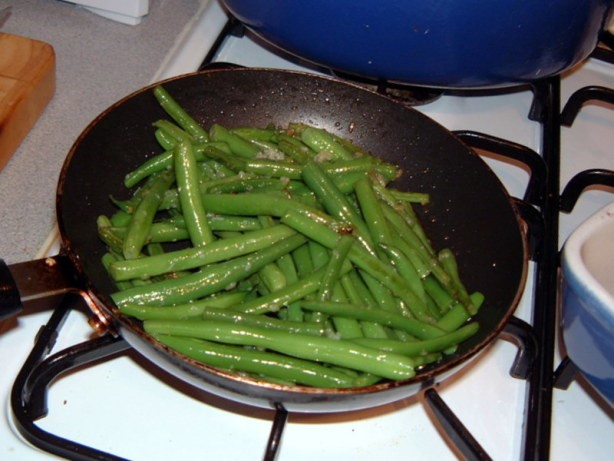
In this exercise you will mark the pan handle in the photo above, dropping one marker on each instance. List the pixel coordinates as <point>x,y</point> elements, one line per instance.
<point>10,301</point>
<point>32,284</point>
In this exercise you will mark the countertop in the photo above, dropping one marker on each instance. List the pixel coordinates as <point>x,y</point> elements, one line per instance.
<point>98,62</point>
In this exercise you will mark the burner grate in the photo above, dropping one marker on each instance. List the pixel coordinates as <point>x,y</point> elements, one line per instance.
<point>539,209</point>
<point>29,393</point>
<point>567,371</point>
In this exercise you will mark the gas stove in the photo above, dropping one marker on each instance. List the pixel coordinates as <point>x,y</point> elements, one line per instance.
<point>123,405</point>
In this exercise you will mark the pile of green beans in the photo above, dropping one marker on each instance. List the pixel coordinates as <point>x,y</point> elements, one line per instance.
<point>283,254</point>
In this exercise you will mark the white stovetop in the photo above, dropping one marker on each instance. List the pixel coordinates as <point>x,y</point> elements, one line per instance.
<point>131,409</point>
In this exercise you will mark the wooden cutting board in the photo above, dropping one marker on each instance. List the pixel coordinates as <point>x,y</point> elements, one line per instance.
<point>27,84</point>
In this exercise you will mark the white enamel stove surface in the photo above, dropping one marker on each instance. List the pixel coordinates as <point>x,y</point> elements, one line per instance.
<point>129,408</point>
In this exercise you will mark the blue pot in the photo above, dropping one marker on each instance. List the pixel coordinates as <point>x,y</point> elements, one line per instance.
<point>443,43</point>
<point>587,306</point>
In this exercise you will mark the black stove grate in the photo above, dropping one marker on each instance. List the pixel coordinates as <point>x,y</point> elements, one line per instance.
<point>29,392</point>
<point>539,209</point>
<point>567,372</point>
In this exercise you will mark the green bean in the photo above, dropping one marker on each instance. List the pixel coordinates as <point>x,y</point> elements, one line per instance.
<point>334,201</point>
<point>333,268</point>
<point>190,198</point>
<point>261,321</point>
<point>345,327</point>
<point>253,204</point>
<point>142,219</point>
<point>120,218</point>
<point>346,182</point>
<point>457,315</point>
<point>293,292</point>
<point>129,206</point>
<point>421,198</point>
<point>384,298</point>
<point>270,217</point>
<point>194,257</point>
<point>286,264</point>
<point>275,365</point>
<point>362,259</point>
<point>268,150</point>
<point>293,310</point>
<point>164,161</point>
<point>365,165</point>
<point>406,269</point>
<point>112,239</point>
<point>283,169</point>
<point>416,348</point>
<point>355,150</point>
<point>208,279</point>
<point>320,349</point>
<point>165,232</point>
<point>303,260</point>
<point>448,261</point>
<point>372,211</point>
<point>179,115</point>
<point>154,249</point>
<point>183,311</point>
<point>407,232</point>
<point>294,149</point>
<point>256,134</point>
<point>244,183</point>
<point>153,165</point>
<point>404,211</point>
<point>319,254</point>
<point>321,141</point>
<point>414,327</point>
<point>165,141</point>
<point>423,268</point>
<point>477,299</point>
<point>103,221</point>
<point>271,275</point>
<point>173,131</point>
<point>237,144</point>
<point>219,170</point>
<point>358,293</point>
<point>425,260</point>
<point>257,165</point>
<point>438,294</point>
<point>108,259</point>
<point>232,223</point>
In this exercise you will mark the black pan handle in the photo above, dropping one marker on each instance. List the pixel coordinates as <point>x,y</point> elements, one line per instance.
<point>10,301</point>
<point>33,284</point>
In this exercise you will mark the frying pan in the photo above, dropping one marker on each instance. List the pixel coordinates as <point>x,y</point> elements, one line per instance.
<point>470,211</point>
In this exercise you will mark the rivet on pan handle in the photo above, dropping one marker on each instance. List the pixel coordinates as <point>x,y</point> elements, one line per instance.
<point>27,284</point>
